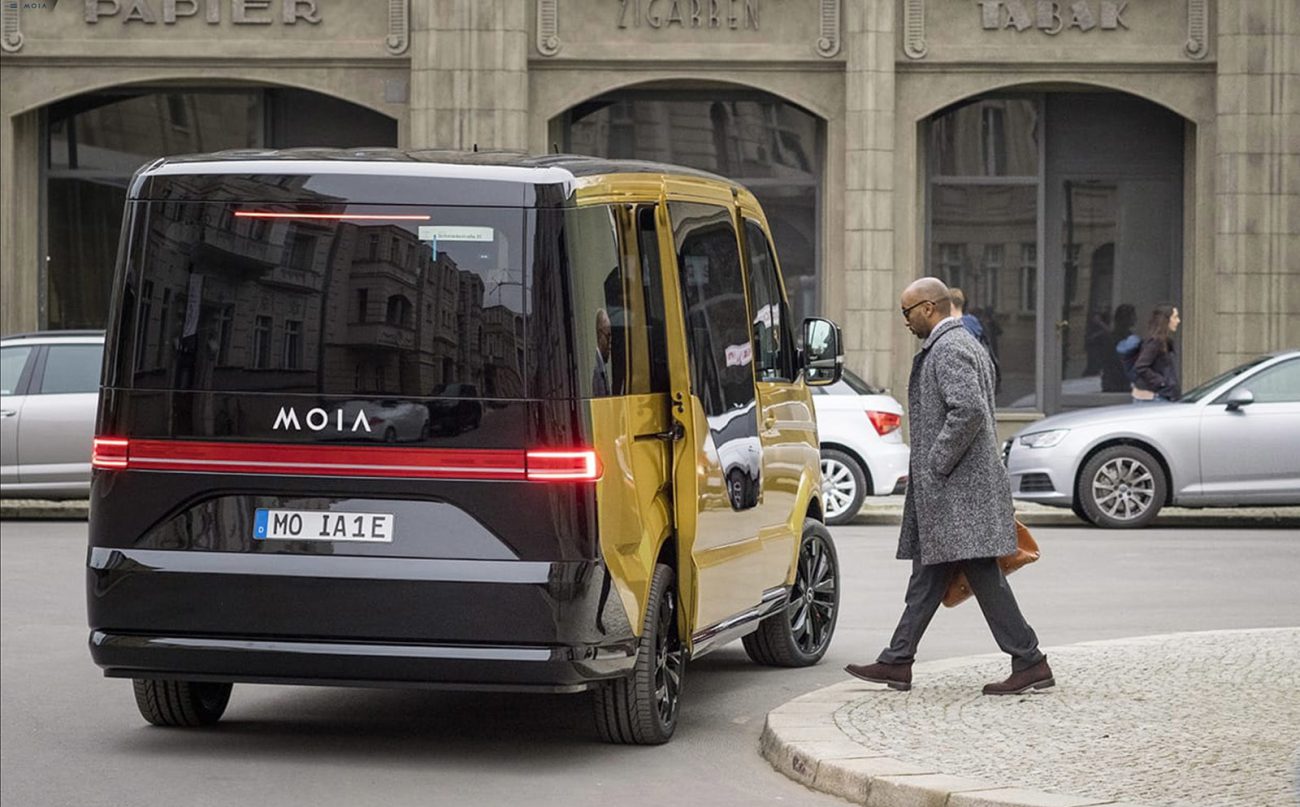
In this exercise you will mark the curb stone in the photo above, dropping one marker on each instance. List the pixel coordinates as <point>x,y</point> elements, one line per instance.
<point>797,743</point>
<point>63,509</point>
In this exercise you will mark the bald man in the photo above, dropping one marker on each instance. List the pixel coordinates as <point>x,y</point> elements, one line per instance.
<point>958,513</point>
<point>604,343</point>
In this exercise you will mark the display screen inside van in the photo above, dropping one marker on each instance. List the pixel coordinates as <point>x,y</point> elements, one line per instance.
<point>350,299</point>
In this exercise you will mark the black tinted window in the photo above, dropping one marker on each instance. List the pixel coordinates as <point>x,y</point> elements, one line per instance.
<point>602,324</point>
<point>773,341</point>
<point>652,289</point>
<point>326,297</point>
<point>713,292</point>
<point>72,368</point>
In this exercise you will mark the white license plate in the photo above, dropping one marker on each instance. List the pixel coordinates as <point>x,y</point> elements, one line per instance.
<point>318,525</point>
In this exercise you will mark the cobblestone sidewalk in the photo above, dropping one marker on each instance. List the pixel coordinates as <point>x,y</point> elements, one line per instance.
<point>1193,720</point>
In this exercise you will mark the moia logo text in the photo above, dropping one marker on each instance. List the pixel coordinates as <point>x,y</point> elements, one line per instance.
<point>317,420</point>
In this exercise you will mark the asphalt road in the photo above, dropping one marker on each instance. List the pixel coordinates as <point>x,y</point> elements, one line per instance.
<point>68,736</point>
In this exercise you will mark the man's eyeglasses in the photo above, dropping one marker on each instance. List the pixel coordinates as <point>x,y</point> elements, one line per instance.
<point>907,312</point>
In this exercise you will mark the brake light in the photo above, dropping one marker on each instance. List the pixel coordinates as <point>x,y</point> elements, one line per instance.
<point>562,466</point>
<point>109,453</point>
<point>885,422</point>
<point>259,214</point>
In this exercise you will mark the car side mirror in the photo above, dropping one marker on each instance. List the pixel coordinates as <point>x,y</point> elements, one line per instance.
<point>823,352</point>
<point>1239,398</point>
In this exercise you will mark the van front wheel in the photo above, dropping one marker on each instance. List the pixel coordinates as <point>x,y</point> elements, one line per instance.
<point>642,709</point>
<point>186,704</point>
<point>798,635</point>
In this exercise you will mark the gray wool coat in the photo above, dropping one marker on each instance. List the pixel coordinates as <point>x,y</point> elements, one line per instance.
<point>958,503</point>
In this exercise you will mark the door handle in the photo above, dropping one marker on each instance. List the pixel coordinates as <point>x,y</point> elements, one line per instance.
<point>8,413</point>
<point>769,423</point>
<point>1062,325</point>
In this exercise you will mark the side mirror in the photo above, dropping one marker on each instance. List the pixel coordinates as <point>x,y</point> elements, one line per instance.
<point>823,352</point>
<point>1239,398</point>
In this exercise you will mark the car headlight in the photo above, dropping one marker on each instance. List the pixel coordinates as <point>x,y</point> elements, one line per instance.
<point>1044,439</point>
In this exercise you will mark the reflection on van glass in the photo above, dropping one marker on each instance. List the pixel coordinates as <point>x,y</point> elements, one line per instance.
<point>334,299</point>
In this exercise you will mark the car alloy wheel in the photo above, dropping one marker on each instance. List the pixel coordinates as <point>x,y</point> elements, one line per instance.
<point>1123,488</point>
<point>813,597</point>
<point>670,658</point>
<point>844,486</point>
<point>838,486</point>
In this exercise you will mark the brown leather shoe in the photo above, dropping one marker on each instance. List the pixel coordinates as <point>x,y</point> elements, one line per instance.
<point>1038,676</point>
<point>894,676</point>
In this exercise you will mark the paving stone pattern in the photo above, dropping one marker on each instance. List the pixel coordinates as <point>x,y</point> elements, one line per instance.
<point>1190,720</point>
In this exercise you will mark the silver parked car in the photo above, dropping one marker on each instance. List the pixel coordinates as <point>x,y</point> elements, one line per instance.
<point>49,389</point>
<point>1232,441</point>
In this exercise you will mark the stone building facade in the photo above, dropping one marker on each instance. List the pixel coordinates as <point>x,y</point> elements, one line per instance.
<point>1068,163</point>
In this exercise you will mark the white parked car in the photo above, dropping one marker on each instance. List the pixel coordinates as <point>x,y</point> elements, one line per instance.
<point>863,453</point>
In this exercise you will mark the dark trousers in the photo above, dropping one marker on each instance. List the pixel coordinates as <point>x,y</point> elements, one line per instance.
<point>925,592</point>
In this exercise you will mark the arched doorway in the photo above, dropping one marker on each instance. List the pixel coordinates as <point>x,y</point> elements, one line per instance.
<point>93,143</point>
<point>1059,215</point>
<point>771,146</point>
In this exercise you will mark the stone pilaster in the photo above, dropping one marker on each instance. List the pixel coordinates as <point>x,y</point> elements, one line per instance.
<point>469,74</point>
<point>1257,179</point>
<point>869,188</point>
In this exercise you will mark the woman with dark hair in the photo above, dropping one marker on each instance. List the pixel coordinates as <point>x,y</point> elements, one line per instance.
<point>1156,368</point>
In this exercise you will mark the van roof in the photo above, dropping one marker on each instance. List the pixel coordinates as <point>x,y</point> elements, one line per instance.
<point>540,177</point>
<point>407,162</point>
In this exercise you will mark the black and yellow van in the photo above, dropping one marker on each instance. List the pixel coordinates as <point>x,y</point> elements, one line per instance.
<point>443,419</point>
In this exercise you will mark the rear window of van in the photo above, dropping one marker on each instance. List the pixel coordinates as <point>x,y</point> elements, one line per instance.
<point>349,299</point>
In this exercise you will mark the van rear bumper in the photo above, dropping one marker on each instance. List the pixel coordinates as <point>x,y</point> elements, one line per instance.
<point>506,668</point>
<point>368,621</point>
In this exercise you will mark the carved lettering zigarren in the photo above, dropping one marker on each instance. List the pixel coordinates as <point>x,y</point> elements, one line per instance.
<point>714,15</point>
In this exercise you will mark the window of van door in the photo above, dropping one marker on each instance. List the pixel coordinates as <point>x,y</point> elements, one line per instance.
<point>773,340</point>
<point>718,338</point>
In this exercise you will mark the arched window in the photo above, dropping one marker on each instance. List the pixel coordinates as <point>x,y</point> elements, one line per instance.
<point>770,146</point>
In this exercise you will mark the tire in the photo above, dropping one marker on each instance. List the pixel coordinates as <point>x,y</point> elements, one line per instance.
<point>1121,487</point>
<point>799,634</point>
<point>642,709</point>
<point>1078,510</point>
<point>844,486</point>
<point>186,704</point>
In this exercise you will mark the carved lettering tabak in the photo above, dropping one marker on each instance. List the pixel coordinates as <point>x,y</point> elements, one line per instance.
<point>1052,16</point>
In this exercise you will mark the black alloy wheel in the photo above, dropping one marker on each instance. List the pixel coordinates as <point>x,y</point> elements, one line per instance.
<point>799,634</point>
<point>184,704</point>
<point>642,708</point>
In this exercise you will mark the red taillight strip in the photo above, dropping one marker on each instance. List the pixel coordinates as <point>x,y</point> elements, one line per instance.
<point>109,452</point>
<point>317,460</point>
<point>321,460</point>
<point>553,466</point>
<point>258,214</point>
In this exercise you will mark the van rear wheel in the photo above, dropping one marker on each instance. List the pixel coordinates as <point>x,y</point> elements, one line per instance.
<point>642,709</point>
<point>799,634</point>
<point>186,704</point>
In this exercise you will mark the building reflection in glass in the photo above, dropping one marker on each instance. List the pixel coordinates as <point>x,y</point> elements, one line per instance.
<point>430,307</point>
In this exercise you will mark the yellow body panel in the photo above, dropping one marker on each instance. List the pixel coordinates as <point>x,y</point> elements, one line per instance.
<point>647,498</point>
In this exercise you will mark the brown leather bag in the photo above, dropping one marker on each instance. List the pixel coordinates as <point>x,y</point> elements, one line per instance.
<point>1026,553</point>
